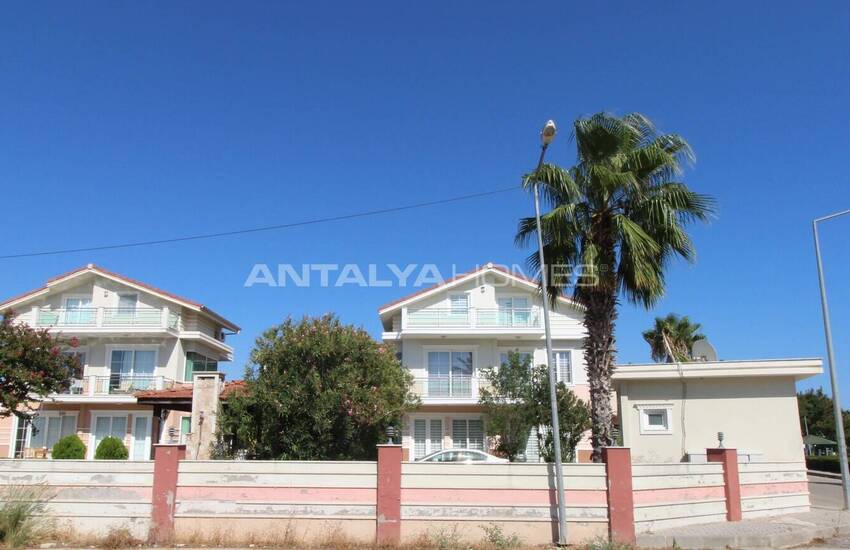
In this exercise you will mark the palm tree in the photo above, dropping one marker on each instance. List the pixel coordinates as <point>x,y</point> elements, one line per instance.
<point>672,338</point>
<point>617,218</point>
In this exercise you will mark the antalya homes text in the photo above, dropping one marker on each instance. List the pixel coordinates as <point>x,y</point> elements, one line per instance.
<point>143,351</point>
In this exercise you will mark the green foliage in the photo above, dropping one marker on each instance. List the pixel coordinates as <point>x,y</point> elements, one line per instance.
<point>517,398</point>
<point>616,220</point>
<point>22,519</point>
<point>69,447</point>
<point>446,539</point>
<point>111,448</point>
<point>824,463</point>
<point>672,334</point>
<point>316,390</point>
<point>31,364</point>
<point>816,411</point>
<point>494,537</point>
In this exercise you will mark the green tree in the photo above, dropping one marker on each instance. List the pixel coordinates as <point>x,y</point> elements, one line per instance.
<point>70,447</point>
<point>32,366</point>
<point>316,390</point>
<point>516,399</point>
<point>816,412</point>
<point>672,338</point>
<point>617,219</point>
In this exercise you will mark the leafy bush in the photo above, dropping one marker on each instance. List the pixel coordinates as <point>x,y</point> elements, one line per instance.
<point>69,447</point>
<point>111,448</point>
<point>22,519</point>
<point>823,464</point>
<point>494,537</point>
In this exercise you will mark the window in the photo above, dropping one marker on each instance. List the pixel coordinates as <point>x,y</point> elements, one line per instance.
<point>563,362</point>
<point>513,312</point>
<point>141,437</point>
<point>459,304</point>
<point>127,302</point>
<point>656,420</point>
<point>80,356</point>
<point>132,370</point>
<point>185,428</point>
<point>195,362</point>
<point>20,438</point>
<point>468,434</point>
<point>523,357</point>
<point>449,374</point>
<point>47,430</point>
<point>78,311</point>
<point>427,437</point>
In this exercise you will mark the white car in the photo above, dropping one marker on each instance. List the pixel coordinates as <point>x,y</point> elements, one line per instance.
<point>462,456</point>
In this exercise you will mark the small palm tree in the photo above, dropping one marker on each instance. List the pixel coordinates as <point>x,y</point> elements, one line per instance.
<point>617,219</point>
<point>672,338</point>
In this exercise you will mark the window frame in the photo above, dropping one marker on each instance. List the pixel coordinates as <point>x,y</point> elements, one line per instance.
<point>571,353</point>
<point>131,426</point>
<point>644,411</point>
<point>46,415</point>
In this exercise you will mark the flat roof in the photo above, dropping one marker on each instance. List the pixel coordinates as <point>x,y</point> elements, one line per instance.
<point>796,368</point>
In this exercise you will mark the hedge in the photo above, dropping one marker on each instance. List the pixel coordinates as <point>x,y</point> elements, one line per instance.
<point>823,464</point>
<point>69,447</point>
<point>111,448</point>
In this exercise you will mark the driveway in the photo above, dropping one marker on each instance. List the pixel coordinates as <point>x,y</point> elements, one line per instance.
<point>825,492</point>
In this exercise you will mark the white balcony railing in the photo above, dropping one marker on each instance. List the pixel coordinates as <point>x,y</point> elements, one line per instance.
<point>500,318</point>
<point>105,317</point>
<point>117,384</point>
<point>448,387</point>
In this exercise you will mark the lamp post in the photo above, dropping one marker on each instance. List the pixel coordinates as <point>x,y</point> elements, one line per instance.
<point>833,375</point>
<point>546,137</point>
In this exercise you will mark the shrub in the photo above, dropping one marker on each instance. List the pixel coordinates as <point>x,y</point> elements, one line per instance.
<point>823,464</point>
<point>22,519</point>
<point>111,448</point>
<point>494,537</point>
<point>69,447</point>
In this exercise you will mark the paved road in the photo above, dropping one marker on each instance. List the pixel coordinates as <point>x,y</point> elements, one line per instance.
<point>825,492</point>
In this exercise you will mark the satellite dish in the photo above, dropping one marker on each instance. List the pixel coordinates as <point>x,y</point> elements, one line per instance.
<point>701,350</point>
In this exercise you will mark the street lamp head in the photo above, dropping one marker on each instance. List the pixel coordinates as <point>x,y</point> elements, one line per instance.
<point>547,134</point>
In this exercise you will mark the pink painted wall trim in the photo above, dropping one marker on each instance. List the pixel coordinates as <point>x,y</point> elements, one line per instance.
<point>764,489</point>
<point>484,497</point>
<point>312,495</point>
<point>731,480</point>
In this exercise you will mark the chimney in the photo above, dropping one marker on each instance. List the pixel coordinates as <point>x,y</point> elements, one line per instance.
<point>206,390</point>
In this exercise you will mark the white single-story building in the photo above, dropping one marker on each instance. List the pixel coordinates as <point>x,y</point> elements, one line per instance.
<point>672,412</point>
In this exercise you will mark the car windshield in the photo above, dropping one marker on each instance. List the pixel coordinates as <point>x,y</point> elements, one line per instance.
<point>457,456</point>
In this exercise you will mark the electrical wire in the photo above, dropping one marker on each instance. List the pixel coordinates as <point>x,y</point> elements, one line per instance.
<point>276,227</point>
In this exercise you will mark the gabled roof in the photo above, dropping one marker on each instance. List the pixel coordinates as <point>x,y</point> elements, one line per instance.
<point>93,269</point>
<point>464,277</point>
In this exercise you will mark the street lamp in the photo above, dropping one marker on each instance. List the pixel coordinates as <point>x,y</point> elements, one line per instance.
<point>546,137</point>
<point>833,376</point>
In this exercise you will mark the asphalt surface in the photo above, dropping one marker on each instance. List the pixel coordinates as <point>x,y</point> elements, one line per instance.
<point>825,492</point>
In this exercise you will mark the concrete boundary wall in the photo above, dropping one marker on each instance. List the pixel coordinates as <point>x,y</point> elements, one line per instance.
<point>90,497</point>
<point>519,498</point>
<point>668,495</point>
<point>772,488</point>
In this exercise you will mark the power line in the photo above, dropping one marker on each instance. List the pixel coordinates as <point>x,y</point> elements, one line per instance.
<point>263,228</point>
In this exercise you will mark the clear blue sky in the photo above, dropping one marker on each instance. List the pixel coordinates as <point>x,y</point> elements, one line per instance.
<point>128,122</point>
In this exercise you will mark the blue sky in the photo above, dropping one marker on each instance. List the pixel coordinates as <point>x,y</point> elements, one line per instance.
<point>124,122</point>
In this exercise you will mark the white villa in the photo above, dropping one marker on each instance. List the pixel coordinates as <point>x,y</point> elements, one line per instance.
<point>132,337</point>
<point>446,335</point>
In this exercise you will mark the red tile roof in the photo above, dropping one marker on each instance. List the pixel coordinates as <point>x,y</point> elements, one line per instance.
<point>485,267</point>
<point>97,269</point>
<point>184,391</point>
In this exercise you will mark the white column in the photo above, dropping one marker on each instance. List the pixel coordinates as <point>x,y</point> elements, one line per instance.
<point>92,384</point>
<point>403,318</point>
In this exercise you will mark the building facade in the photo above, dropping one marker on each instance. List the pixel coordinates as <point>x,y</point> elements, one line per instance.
<point>131,337</point>
<point>448,334</point>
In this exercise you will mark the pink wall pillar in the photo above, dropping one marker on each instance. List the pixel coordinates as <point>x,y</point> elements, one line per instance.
<point>388,512</point>
<point>166,459</point>
<point>621,508</point>
<point>731,480</point>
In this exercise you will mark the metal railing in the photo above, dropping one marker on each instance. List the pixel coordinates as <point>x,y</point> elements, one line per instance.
<point>117,384</point>
<point>101,317</point>
<point>474,318</point>
<point>448,387</point>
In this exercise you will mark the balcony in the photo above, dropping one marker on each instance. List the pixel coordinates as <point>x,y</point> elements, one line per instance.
<point>107,318</point>
<point>117,384</point>
<point>474,318</point>
<point>448,388</point>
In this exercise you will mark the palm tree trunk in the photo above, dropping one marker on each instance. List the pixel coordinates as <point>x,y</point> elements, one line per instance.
<point>599,352</point>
